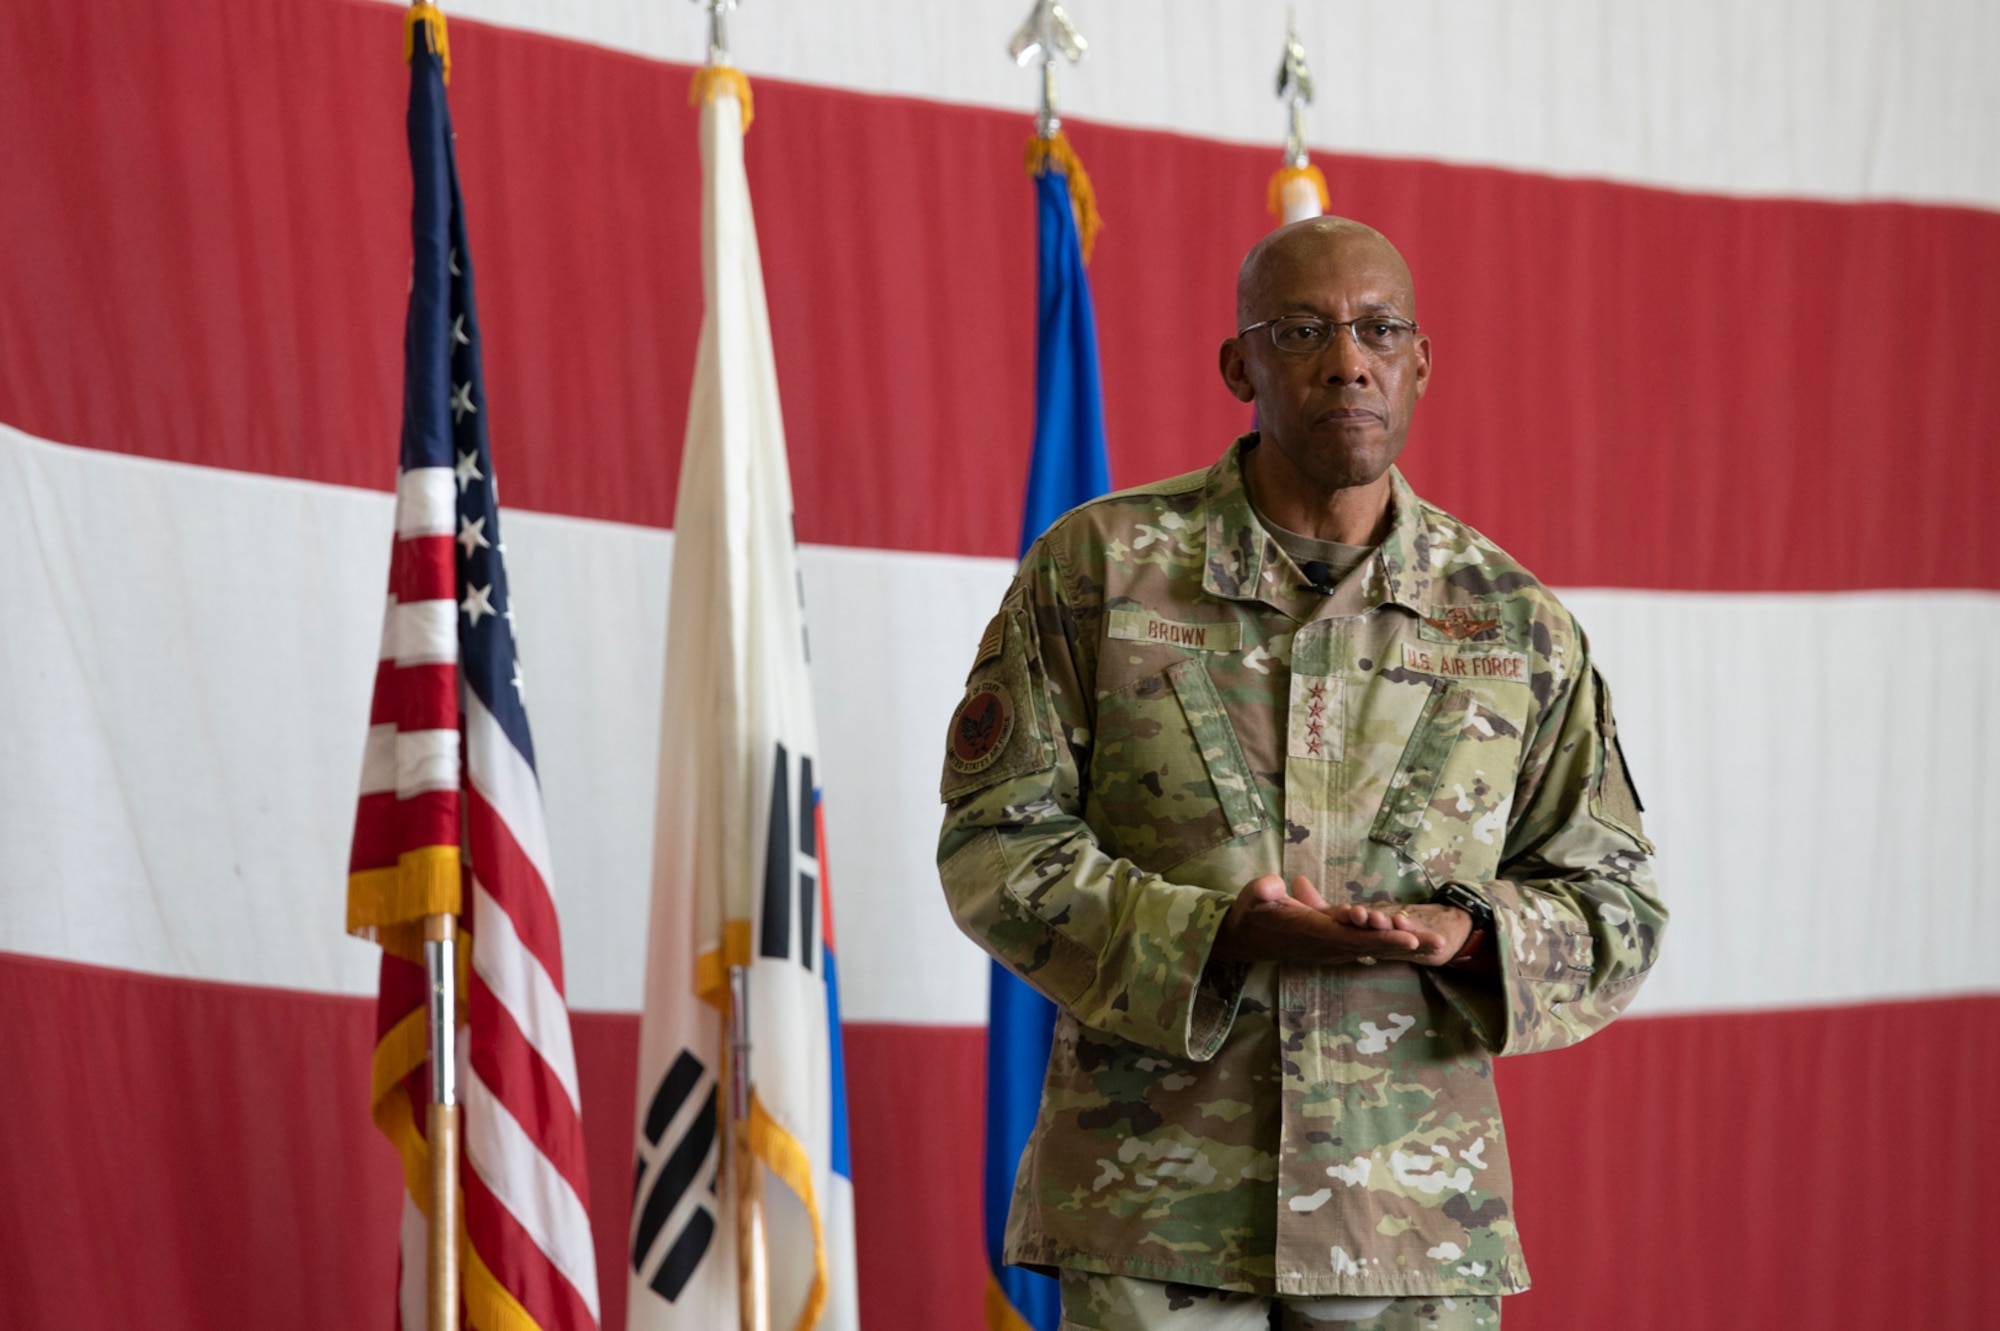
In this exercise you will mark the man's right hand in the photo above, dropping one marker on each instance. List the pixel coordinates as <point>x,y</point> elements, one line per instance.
<point>1267,923</point>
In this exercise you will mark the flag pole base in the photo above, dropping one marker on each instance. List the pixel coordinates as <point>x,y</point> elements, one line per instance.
<point>441,1121</point>
<point>443,1283</point>
<point>750,1254</point>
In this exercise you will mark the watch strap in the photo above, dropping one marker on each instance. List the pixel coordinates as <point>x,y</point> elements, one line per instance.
<point>1468,900</point>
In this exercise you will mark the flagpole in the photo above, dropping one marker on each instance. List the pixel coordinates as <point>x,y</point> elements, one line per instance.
<point>745,1170</point>
<point>441,1125</point>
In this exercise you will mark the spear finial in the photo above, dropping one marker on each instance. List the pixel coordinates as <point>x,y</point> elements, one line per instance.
<point>1048,33</point>
<point>1298,190</point>
<point>1295,89</point>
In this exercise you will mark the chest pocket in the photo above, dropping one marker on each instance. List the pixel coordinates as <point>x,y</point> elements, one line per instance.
<point>1167,776</point>
<point>1416,780</point>
<point>1447,804</point>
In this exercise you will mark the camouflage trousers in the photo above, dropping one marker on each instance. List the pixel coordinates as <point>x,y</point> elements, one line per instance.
<point>1121,1303</point>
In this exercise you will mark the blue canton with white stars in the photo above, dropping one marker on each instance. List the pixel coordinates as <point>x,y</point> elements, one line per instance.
<point>444,409</point>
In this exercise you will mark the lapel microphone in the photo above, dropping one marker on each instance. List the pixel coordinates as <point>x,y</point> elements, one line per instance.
<point>1319,576</point>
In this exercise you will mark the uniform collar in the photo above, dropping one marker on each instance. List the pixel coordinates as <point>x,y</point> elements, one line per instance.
<point>1241,561</point>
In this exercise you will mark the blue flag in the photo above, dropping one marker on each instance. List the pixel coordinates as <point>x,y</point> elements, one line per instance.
<point>1069,467</point>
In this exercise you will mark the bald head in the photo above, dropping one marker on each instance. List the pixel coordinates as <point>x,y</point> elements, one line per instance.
<point>1278,265</point>
<point>1335,363</point>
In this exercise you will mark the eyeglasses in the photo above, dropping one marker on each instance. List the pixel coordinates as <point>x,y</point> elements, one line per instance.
<point>1308,334</point>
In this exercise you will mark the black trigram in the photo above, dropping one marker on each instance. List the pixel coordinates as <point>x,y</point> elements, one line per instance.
<point>783,870</point>
<point>674,1168</point>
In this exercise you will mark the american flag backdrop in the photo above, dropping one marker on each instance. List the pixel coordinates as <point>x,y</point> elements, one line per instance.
<point>450,817</point>
<point>1712,288</point>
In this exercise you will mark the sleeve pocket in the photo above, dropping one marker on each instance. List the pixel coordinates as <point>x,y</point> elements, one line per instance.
<point>1614,800</point>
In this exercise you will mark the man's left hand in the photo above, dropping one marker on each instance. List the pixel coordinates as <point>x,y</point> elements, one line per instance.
<point>1448,923</point>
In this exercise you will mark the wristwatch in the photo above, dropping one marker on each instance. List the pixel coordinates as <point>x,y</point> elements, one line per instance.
<point>1481,911</point>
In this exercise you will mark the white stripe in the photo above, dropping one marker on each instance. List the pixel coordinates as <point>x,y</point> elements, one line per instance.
<point>524,988</point>
<point>1804,758</point>
<point>427,502</point>
<point>1841,99</point>
<point>425,632</point>
<point>378,760</point>
<point>521,1178</point>
<point>899,952</point>
<point>413,1244</point>
<point>502,776</point>
<point>425,760</point>
<point>1811,765</point>
<point>388,651</point>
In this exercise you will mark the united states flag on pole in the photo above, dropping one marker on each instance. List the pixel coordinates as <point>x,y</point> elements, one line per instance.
<point>740,853</point>
<point>450,818</point>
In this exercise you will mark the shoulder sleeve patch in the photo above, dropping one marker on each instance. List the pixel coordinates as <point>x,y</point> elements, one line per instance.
<point>980,728</point>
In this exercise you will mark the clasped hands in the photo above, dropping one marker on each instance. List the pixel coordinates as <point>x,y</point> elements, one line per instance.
<point>1267,923</point>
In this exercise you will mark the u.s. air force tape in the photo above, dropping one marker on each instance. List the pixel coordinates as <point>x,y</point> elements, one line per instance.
<point>980,728</point>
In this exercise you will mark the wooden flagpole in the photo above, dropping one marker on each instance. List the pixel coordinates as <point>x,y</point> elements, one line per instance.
<point>441,1125</point>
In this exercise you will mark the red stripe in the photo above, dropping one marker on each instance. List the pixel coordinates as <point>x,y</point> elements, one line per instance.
<point>181,1155</point>
<point>385,827</point>
<point>428,819</point>
<point>912,1092</point>
<point>377,841</point>
<point>425,697</point>
<point>382,702</point>
<point>402,987</point>
<point>511,879</point>
<point>515,1072</point>
<point>1634,387</point>
<point>1808,1168</point>
<point>511,1255</point>
<point>423,568</point>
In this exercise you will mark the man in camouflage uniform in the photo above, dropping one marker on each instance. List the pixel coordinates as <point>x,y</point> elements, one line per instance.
<point>1302,801</point>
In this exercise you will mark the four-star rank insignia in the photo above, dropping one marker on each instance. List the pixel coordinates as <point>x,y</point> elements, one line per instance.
<point>1459,625</point>
<point>980,728</point>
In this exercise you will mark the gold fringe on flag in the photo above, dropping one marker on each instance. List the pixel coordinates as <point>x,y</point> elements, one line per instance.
<point>388,906</point>
<point>1274,198</point>
<point>489,1305</point>
<point>431,19</point>
<point>1057,153</point>
<point>713,81</point>
<point>711,969</point>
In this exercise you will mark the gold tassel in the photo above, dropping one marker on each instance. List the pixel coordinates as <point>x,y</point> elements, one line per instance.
<point>713,81</point>
<point>1045,153</point>
<point>431,19</point>
<point>1274,198</point>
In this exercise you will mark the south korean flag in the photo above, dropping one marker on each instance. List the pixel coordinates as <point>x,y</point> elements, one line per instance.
<point>740,856</point>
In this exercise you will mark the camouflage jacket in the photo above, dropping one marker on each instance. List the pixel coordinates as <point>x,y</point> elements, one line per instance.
<point>1162,711</point>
